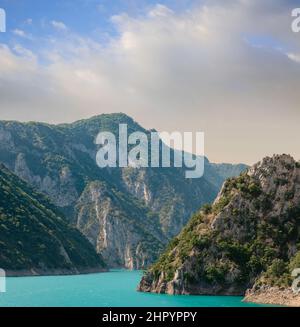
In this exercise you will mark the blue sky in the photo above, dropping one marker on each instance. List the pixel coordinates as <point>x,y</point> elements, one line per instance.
<point>35,19</point>
<point>82,16</point>
<point>31,23</point>
<point>228,68</point>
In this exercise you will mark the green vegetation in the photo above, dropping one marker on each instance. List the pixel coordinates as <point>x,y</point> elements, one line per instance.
<point>240,240</point>
<point>34,235</point>
<point>151,205</point>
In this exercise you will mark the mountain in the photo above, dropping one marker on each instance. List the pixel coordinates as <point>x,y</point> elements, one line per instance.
<point>274,285</point>
<point>248,239</point>
<point>34,236</point>
<point>129,215</point>
<point>228,170</point>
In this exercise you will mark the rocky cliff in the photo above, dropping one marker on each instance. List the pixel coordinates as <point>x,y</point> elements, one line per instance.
<point>249,237</point>
<point>125,238</point>
<point>127,214</point>
<point>34,236</point>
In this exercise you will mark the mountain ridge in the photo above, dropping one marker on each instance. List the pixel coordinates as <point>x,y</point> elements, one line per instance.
<point>59,161</point>
<point>249,239</point>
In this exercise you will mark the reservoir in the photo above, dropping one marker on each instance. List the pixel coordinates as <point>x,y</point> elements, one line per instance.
<point>112,289</point>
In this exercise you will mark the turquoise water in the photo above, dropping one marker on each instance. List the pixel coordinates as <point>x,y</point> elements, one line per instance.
<point>112,289</point>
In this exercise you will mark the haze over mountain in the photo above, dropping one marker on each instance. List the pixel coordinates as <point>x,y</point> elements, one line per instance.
<point>128,214</point>
<point>196,65</point>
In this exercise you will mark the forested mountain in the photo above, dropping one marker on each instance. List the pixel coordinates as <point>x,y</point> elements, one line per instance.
<point>249,238</point>
<point>35,237</point>
<point>128,214</point>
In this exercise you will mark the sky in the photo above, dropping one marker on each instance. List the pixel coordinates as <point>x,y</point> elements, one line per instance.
<point>230,69</point>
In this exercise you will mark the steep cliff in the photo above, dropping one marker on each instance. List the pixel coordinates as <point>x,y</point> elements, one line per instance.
<point>248,238</point>
<point>125,237</point>
<point>60,161</point>
<point>35,238</point>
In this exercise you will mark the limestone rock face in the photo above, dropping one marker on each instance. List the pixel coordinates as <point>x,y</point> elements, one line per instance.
<point>273,296</point>
<point>128,214</point>
<point>249,236</point>
<point>123,240</point>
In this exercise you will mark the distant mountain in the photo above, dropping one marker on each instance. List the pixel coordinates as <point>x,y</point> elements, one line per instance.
<point>34,236</point>
<point>249,238</point>
<point>229,170</point>
<point>128,214</point>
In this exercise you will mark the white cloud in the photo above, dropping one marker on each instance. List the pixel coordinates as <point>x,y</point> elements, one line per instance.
<point>294,56</point>
<point>59,25</point>
<point>188,71</point>
<point>25,53</point>
<point>19,32</point>
<point>22,34</point>
<point>160,11</point>
<point>10,64</point>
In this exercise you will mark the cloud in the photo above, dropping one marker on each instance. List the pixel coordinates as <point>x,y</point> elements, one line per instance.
<point>294,56</point>
<point>22,34</point>
<point>29,21</point>
<point>25,53</point>
<point>59,25</point>
<point>160,11</point>
<point>186,71</point>
<point>19,32</point>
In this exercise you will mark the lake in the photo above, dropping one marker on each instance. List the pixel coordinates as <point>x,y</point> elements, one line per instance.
<point>111,289</point>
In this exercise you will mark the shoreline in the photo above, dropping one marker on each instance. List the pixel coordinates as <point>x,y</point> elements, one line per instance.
<point>53,272</point>
<point>266,296</point>
<point>273,296</point>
